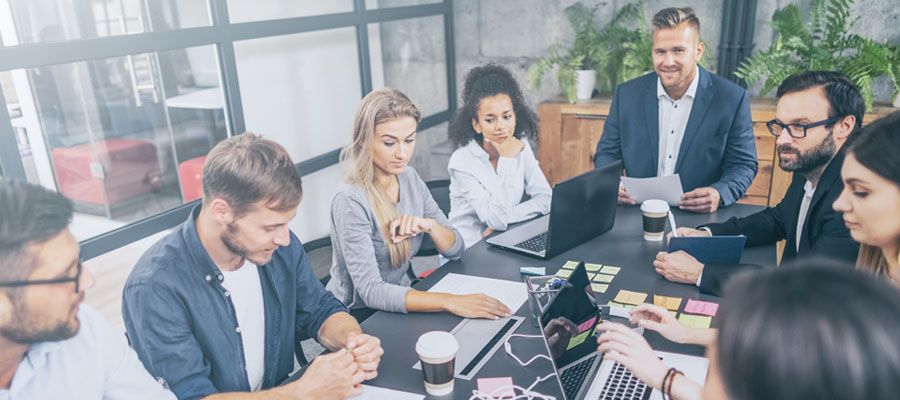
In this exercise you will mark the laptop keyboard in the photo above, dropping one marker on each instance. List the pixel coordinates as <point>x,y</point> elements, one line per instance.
<point>536,243</point>
<point>573,377</point>
<point>621,384</point>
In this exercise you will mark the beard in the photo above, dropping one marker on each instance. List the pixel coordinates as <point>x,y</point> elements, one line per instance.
<point>814,158</point>
<point>230,240</point>
<point>27,327</point>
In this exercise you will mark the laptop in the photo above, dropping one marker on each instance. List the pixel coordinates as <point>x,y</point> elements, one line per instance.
<point>569,328</point>
<point>581,208</point>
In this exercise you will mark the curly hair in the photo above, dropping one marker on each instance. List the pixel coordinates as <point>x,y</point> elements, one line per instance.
<point>486,81</point>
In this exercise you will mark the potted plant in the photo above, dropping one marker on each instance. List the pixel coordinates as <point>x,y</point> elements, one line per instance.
<point>823,43</point>
<point>577,64</point>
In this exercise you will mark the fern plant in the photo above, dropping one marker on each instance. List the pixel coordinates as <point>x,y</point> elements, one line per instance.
<point>822,43</point>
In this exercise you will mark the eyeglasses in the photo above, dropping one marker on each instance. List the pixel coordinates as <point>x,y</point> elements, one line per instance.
<point>75,279</point>
<point>795,130</point>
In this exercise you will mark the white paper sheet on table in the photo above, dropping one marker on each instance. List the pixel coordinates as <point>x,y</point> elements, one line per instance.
<point>666,188</point>
<point>510,293</point>
<point>378,393</point>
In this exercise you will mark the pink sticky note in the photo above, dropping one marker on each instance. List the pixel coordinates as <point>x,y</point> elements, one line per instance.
<point>701,307</point>
<point>586,325</point>
<point>492,387</point>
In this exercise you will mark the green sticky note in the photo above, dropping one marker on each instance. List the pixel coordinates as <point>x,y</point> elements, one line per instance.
<point>610,270</point>
<point>674,313</point>
<point>570,265</point>
<point>592,267</point>
<point>695,321</point>
<point>564,273</point>
<point>603,278</point>
<point>599,287</point>
<point>625,306</point>
<point>578,339</point>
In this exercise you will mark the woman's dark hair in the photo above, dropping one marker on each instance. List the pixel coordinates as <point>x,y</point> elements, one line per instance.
<point>809,331</point>
<point>877,147</point>
<point>486,81</point>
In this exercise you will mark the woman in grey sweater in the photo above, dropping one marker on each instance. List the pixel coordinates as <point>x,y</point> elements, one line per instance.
<point>381,212</point>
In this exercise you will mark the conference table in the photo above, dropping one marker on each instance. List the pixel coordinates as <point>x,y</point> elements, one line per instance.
<point>622,246</point>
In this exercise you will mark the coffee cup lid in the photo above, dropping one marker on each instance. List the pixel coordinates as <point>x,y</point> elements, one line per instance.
<point>655,206</point>
<point>436,344</point>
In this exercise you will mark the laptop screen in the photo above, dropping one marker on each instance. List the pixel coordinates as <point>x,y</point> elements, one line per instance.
<point>570,320</point>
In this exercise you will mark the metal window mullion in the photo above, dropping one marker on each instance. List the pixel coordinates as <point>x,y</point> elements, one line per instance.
<point>234,115</point>
<point>362,48</point>
<point>450,57</point>
<point>10,161</point>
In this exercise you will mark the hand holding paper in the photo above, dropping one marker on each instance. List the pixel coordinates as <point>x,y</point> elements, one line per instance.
<point>666,188</point>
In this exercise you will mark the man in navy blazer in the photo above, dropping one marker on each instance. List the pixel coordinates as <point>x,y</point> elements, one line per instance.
<point>682,119</point>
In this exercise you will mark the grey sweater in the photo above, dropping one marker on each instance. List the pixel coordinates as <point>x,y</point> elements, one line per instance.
<point>361,272</point>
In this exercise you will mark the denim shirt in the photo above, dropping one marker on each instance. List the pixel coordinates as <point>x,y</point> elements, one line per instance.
<point>182,323</point>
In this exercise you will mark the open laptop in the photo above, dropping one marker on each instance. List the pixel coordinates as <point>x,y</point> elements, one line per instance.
<point>581,372</point>
<point>581,208</point>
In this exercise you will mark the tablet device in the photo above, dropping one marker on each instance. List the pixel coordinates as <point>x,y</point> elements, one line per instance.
<point>708,249</point>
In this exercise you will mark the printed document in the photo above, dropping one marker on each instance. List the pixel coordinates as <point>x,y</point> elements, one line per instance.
<point>511,293</point>
<point>666,188</point>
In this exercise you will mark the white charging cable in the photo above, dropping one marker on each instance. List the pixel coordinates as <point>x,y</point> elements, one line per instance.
<point>527,393</point>
<point>508,348</point>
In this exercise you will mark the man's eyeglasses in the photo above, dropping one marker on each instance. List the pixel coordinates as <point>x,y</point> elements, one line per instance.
<point>795,130</point>
<point>75,279</point>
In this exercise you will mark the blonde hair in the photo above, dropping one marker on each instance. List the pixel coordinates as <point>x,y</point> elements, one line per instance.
<point>379,106</point>
<point>872,259</point>
<point>669,18</point>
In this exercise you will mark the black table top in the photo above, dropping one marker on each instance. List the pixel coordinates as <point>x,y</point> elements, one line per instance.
<point>623,246</point>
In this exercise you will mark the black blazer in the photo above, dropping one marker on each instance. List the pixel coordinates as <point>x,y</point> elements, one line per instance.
<point>824,233</point>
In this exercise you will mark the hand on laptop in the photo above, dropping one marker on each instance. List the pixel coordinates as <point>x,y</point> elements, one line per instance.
<point>678,267</point>
<point>630,349</point>
<point>700,200</point>
<point>659,319</point>
<point>407,226</point>
<point>477,306</point>
<point>624,198</point>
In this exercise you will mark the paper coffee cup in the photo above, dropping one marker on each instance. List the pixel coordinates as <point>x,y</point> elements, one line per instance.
<point>437,352</point>
<point>654,218</point>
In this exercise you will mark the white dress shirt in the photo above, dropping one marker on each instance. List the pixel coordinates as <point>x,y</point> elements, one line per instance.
<point>482,198</point>
<point>245,290</point>
<point>673,119</point>
<point>95,364</point>
<point>809,191</point>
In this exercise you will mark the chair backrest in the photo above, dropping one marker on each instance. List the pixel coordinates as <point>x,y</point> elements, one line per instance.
<point>319,253</point>
<point>440,191</point>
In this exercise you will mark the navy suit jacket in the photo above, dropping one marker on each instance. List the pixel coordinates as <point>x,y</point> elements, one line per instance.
<point>718,148</point>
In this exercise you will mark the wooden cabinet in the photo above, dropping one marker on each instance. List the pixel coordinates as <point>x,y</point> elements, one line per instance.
<point>569,135</point>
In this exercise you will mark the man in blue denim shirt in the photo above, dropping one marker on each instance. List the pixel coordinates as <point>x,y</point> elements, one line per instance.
<point>219,304</point>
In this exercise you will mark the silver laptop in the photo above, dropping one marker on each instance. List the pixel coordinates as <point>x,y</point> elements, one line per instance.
<point>581,208</point>
<point>581,372</point>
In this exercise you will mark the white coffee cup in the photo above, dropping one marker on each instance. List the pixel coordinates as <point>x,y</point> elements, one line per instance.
<point>654,218</point>
<point>437,352</point>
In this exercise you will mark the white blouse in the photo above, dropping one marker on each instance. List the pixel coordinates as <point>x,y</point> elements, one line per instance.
<point>482,198</point>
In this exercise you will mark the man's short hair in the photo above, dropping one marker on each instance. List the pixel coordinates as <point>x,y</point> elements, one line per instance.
<point>29,214</point>
<point>843,96</point>
<point>669,18</point>
<point>247,168</point>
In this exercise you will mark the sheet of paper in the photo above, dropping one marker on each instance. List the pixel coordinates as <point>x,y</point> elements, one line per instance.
<point>629,297</point>
<point>564,273</point>
<point>511,293</point>
<point>599,287</point>
<point>378,393</point>
<point>608,269</point>
<point>570,265</point>
<point>497,388</point>
<point>666,188</point>
<point>603,278</point>
<point>701,307</point>
<point>592,267</point>
<point>669,303</point>
<point>695,321</point>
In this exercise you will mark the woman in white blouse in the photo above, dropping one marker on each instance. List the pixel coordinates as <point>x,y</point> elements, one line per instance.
<point>493,165</point>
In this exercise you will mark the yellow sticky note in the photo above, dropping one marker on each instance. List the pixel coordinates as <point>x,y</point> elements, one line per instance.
<point>609,270</point>
<point>592,267</point>
<point>695,321</point>
<point>626,306</point>
<point>603,278</point>
<point>599,287</point>
<point>629,297</point>
<point>564,273</point>
<point>578,339</point>
<point>669,303</point>
<point>570,265</point>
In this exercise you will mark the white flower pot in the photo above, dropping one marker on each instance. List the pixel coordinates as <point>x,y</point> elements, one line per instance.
<point>897,101</point>
<point>584,83</point>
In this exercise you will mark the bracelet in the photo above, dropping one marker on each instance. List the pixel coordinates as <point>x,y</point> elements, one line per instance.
<point>675,372</point>
<point>662,388</point>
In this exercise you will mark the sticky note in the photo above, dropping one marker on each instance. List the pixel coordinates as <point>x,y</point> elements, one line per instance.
<point>570,265</point>
<point>625,306</point>
<point>599,287</point>
<point>586,325</point>
<point>575,341</point>
<point>592,267</point>
<point>603,278</point>
<point>695,321</point>
<point>669,303</point>
<point>674,313</point>
<point>497,388</point>
<point>701,307</point>
<point>609,270</point>
<point>564,273</point>
<point>629,297</point>
<point>533,270</point>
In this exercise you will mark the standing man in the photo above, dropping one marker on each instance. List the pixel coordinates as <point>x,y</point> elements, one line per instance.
<point>816,114</point>
<point>221,304</point>
<point>51,345</point>
<point>682,120</point>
